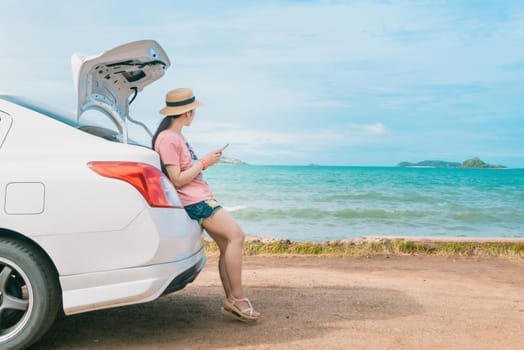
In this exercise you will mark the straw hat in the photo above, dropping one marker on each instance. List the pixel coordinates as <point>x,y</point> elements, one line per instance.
<point>179,101</point>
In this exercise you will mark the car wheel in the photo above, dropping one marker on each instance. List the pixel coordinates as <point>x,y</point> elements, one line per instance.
<point>29,294</point>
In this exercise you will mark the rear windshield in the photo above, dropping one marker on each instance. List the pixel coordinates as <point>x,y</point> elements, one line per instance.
<point>64,117</point>
<point>70,119</point>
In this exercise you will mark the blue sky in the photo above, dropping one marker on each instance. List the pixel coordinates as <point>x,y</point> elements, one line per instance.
<point>299,82</point>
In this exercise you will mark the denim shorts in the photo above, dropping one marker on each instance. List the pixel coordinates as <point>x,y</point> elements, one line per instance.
<point>202,210</point>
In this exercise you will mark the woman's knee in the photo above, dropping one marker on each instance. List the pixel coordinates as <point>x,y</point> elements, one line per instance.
<point>238,236</point>
<point>222,227</point>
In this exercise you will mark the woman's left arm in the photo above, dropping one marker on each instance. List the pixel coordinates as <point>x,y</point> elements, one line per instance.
<point>181,178</point>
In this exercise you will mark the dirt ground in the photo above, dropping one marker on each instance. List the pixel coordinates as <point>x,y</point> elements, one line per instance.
<point>397,302</point>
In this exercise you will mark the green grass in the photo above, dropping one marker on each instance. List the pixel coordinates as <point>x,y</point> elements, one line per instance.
<point>382,247</point>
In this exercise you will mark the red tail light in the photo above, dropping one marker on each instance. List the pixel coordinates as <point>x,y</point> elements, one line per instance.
<point>148,180</point>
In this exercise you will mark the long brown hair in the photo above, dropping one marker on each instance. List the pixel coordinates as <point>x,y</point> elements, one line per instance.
<point>164,125</point>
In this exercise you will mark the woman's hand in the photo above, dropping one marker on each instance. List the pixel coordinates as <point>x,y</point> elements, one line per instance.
<point>182,178</point>
<point>213,157</point>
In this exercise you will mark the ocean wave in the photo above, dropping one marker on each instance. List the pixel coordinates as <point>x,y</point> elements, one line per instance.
<point>236,208</point>
<point>315,214</point>
<point>378,197</point>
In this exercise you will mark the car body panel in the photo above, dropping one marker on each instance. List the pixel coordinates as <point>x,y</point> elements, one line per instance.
<point>144,241</point>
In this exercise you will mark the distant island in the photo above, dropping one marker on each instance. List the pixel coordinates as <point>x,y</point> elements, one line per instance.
<point>474,162</point>
<point>229,160</point>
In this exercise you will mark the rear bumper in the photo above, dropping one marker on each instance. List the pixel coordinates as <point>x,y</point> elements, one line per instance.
<point>185,277</point>
<point>107,289</point>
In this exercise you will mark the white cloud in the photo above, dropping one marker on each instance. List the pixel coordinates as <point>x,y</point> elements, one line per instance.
<point>376,129</point>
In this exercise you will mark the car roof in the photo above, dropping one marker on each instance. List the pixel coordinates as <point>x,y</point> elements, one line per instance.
<point>64,117</point>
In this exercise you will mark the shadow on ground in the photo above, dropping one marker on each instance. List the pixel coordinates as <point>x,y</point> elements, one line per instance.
<point>191,319</point>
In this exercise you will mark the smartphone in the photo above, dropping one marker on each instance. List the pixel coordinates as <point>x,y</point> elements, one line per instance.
<point>223,148</point>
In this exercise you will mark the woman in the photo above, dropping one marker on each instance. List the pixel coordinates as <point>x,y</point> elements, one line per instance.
<point>185,171</point>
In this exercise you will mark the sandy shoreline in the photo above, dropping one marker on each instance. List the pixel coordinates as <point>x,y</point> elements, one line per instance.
<point>404,238</point>
<point>512,248</point>
<point>324,302</point>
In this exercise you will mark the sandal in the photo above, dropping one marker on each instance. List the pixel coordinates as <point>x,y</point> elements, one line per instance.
<point>231,310</point>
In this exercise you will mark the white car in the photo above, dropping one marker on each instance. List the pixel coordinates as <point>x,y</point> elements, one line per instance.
<point>87,219</point>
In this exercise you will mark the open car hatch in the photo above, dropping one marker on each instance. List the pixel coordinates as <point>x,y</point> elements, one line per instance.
<point>106,81</point>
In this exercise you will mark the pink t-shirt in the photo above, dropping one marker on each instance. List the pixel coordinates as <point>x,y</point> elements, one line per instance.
<point>174,150</point>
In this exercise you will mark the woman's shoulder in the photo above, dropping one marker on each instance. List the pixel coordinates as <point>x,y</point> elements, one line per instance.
<point>170,136</point>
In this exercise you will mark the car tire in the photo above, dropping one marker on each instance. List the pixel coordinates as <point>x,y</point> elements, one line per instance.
<point>29,294</point>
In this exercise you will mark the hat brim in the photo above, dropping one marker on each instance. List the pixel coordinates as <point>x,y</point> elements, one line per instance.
<point>180,109</point>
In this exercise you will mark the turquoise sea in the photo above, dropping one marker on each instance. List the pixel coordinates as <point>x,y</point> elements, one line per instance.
<point>319,203</point>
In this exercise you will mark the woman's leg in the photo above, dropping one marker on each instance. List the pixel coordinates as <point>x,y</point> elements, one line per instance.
<point>222,244</point>
<point>226,231</point>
